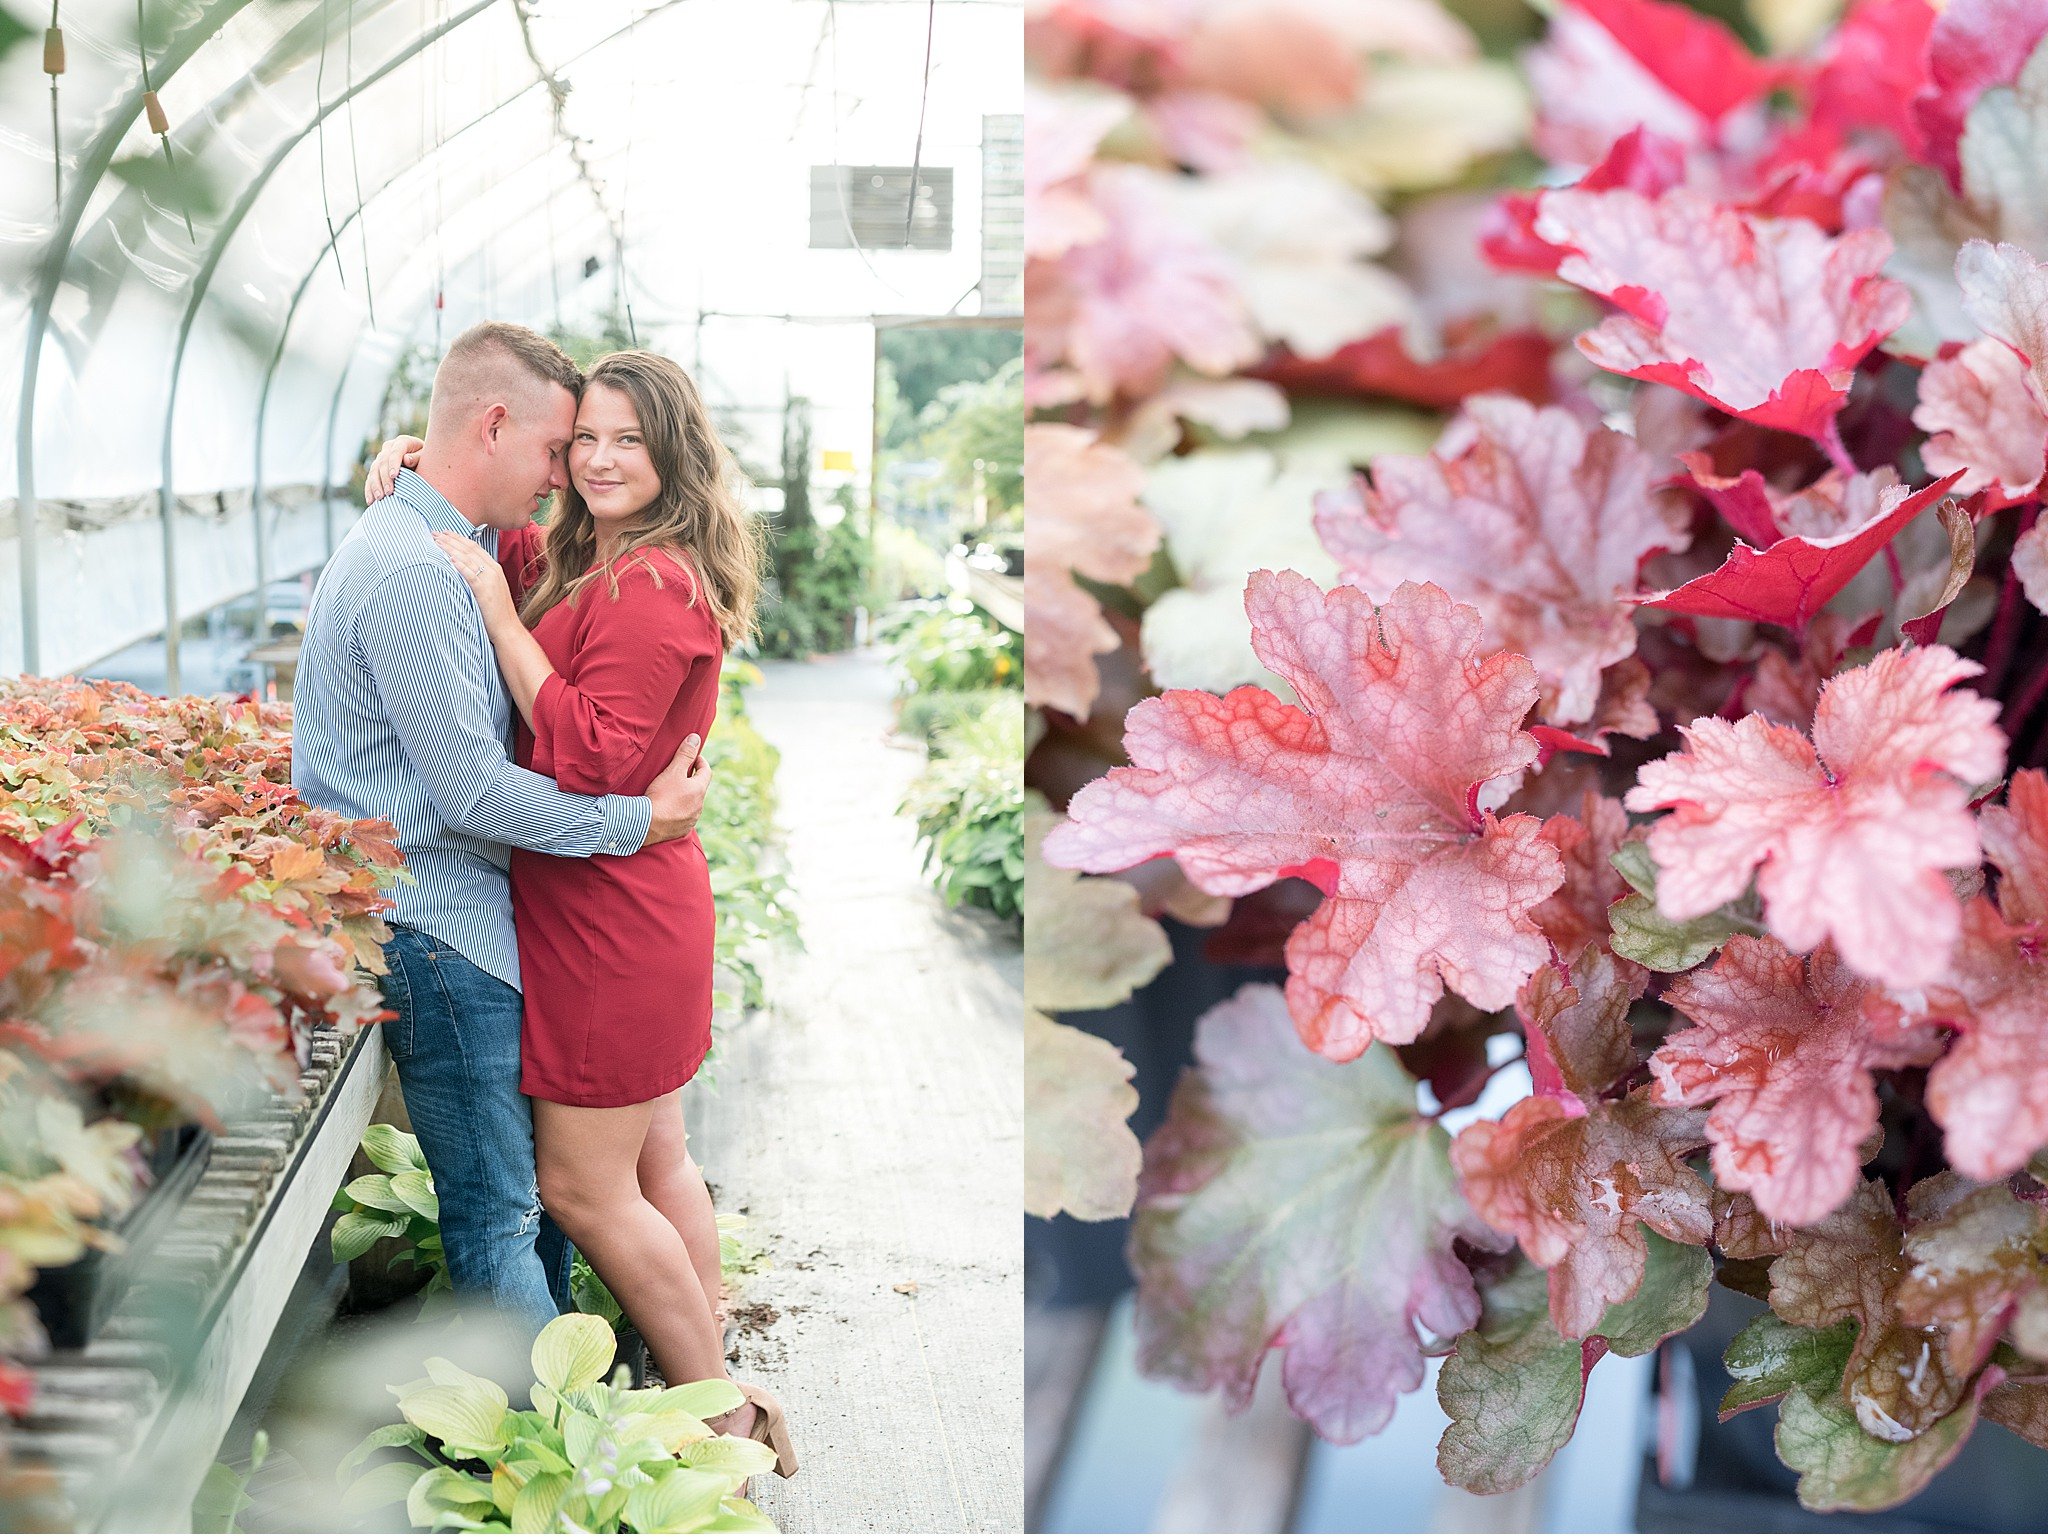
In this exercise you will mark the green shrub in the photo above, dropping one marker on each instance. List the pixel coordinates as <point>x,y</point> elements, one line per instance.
<point>969,807</point>
<point>947,645</point>
<point>924,715</point>
<point>398,1202</point>
<point>821,578</point>
<point>587,1457</point>
<point>737,829</point>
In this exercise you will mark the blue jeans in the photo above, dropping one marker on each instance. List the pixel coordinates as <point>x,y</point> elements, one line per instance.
<point>456,1045</point>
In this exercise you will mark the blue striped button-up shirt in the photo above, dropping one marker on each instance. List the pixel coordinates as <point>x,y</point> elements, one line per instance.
<point>399,713</point>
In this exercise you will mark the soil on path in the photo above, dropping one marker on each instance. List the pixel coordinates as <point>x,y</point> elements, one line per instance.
<point>869,1124</point>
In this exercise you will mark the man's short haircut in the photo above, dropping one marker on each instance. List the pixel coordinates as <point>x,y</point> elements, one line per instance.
<point>496,361</point>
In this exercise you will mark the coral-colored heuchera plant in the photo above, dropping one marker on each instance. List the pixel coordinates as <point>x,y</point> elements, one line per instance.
<point>1593,639</point>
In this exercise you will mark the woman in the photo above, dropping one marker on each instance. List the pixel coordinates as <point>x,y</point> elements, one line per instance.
<point>609,628</point>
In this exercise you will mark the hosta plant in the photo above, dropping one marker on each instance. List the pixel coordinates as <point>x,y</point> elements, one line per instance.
<point>1640,784</point>
<point>398,1201</point>
<point>588,1455</point>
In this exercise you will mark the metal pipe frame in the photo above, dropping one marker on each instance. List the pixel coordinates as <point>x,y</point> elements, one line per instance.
<point>202,281</point>
<point>85,181</point>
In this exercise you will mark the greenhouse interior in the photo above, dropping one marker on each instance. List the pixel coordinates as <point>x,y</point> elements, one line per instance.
<point>237,237</point>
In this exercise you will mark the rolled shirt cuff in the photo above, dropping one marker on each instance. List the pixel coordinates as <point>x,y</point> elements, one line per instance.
<point>626,820</point>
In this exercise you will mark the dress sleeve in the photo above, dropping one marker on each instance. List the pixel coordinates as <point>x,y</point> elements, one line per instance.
<point>631,659</point>
<point>522,552</point>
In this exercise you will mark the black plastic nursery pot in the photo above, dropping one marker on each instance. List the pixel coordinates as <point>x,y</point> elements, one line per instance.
<point>74,1300</point>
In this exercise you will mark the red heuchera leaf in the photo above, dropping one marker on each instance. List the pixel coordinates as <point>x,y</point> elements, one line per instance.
<point>1788,583</point>
<point>1876,64</point>
<point>1296,1204</point>
<point>1367,788</point>
<point>1764,318</point>
<point>1784,1050</point>
<point>1984,422</point>
<point>1575,1177</point>
<point>1785,688</point>
<point>1576,915</point>
<point>1974,45</point>
<point>1694,57</point>
<point>1083,516</point>
<point>1852,831</point>
<point>1849,1264</point>
<point>1641,159</point>
<point>1990,1092</point>
<point>1975,1258</point>
<point>1475,359</point>
<point>1611,65</point>
<point>1535,519</point>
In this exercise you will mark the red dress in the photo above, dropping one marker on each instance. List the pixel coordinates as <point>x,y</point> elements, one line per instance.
<point>615,951</point>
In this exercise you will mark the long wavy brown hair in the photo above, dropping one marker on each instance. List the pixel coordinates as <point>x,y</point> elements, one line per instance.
<point>700,515</point>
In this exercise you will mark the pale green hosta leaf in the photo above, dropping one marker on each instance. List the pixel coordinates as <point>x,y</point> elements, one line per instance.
<point>444,1492</point>
<point>467,1416</point>
<point>573,1351</point>
<point>385,1484</point>
<point>728,1456</point>
<point>1079,1155</point>
<point>1090,945</point>
<point>580,1435</point>
<point>374,1191</point>
<point>415,1188</point>
<point>392,1150</point>
<point>386,1435</point>
<point>355,1232</point>
<point>682,1501</point>
<point>737,1515</point>
<point>706,1400</point>
<point>537,1504</point>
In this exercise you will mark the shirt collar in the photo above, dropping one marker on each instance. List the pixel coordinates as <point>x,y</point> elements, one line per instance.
<point>418,493</point>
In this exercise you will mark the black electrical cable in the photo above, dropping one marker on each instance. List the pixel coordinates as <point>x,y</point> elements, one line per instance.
<point>924,97</point>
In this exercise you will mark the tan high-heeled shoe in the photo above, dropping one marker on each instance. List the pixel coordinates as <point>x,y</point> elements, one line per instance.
<point>770,1427</point>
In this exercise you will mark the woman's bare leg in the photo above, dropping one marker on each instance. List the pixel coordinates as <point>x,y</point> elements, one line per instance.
<point>588,1162</point>
<point>674,1186</point>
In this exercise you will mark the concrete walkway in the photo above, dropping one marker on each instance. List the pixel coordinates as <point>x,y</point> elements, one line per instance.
<point>869,1123</point>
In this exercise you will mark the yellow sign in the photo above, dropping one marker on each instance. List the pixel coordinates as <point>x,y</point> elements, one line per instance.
<point>838,459</point>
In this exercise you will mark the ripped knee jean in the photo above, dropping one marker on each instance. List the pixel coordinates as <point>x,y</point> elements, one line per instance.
<point>456,1045</point>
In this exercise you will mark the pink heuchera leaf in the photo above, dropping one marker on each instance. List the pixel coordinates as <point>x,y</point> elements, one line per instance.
<point>1974,45</point>
<point>1642,160</point>
<point>1083,516</point>
<point>1575,1177</point>
<point>1764,318</point>
<point>1852,831</point>
<point>2006,292</point>
<point>1367,787</point>
<point>1535,519</point>
<point>1784,1050</point>
<point>1118,311</point>
<point>1575,916</point>
<point>1062,129</point>
<point>1789,582</point>
<point>1984,422</point>
<point>1990,1092</point>
<point>1296,1204</point>
<point>1876,64</point>
<point>1608,66</point>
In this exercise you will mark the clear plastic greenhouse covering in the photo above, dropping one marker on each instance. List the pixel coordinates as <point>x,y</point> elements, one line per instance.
<point>204,318</point>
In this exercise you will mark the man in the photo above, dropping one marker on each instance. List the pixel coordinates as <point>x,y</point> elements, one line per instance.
<point>401,714</point>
